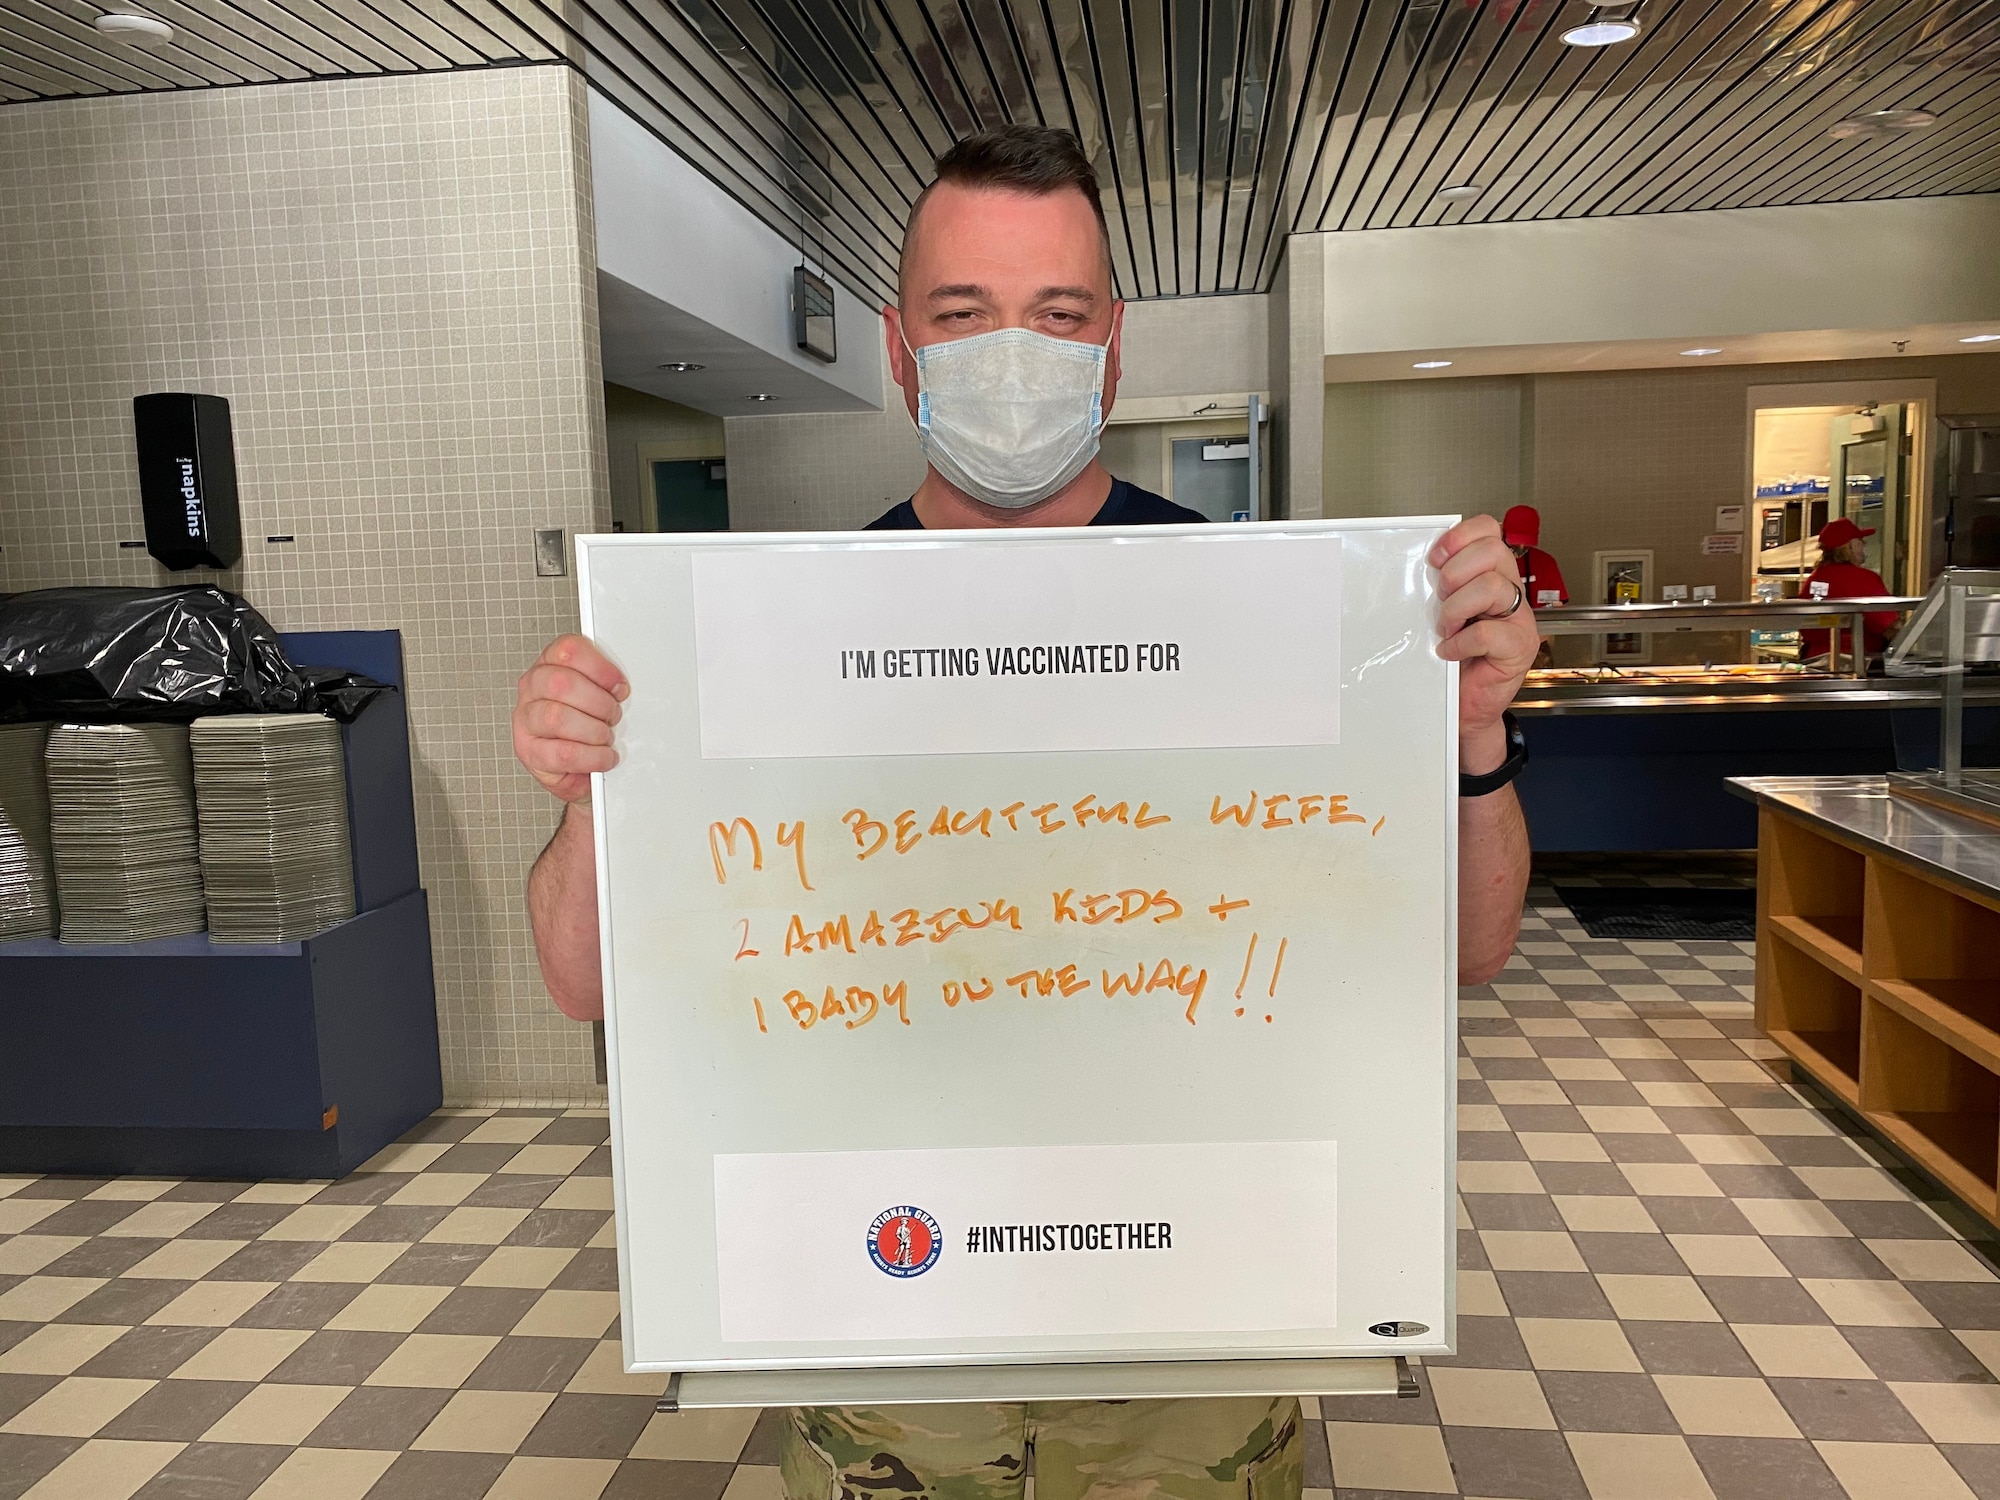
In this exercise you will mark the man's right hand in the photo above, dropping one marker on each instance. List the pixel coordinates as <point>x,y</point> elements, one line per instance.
<point>563,713</point>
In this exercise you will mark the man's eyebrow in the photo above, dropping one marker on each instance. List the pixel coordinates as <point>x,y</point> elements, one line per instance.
<point>956,290</point>
<point>1071,293</point>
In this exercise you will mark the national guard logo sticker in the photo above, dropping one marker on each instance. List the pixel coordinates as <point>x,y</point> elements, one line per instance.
<point>904,1241</point>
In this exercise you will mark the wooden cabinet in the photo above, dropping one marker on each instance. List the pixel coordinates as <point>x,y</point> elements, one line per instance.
<point>1882,982</point>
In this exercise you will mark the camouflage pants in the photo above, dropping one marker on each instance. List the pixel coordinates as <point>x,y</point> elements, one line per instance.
<point>1237,1448</point>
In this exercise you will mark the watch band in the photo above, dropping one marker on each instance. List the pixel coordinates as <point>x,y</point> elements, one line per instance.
<point>1506,771</point>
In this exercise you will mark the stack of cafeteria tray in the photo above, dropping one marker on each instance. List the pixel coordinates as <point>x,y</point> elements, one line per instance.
<point>27,878</point>
<point>272,794</point>
<point>121,822</point>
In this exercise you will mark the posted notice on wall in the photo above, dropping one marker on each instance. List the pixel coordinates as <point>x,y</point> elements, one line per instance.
<point>1029,945</point>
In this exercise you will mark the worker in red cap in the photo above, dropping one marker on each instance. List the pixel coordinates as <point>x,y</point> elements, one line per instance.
<point>1842,574</point>
<point>1521,529</point>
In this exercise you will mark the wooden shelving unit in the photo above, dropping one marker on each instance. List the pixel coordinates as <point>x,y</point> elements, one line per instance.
<point>1883,984</point>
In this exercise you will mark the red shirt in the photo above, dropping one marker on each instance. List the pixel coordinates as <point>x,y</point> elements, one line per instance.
<point>1540,575</point>
<point>1838,580</point>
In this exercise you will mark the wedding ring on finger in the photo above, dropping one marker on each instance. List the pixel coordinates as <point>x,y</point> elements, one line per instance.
<point>1520,595</point>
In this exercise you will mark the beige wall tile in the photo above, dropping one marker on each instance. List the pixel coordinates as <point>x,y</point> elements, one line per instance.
<point>393,281</point>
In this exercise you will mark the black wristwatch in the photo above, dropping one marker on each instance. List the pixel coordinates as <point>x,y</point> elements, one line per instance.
<point>1506,771</point>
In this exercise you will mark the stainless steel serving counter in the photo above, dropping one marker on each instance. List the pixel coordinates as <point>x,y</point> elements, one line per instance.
<point>1714,618</point>
<point>1861,810</point>
<point>1623,690</point>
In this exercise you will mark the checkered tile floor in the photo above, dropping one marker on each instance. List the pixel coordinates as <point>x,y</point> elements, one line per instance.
<point>1680,1281</point>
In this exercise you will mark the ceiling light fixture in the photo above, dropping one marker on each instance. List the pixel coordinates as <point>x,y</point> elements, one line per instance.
<point>134,30</point>
<point>1698,353</point>
<point>1459,191</point>
<point>1877,123</point>
<point>761,396</point>
<point>681,366</point>
<point>1431,364</point>
<point>1981,338</point>
<point>1606,26</point>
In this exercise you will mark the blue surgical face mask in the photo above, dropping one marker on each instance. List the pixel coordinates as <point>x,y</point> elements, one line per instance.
<point>1011,416</point>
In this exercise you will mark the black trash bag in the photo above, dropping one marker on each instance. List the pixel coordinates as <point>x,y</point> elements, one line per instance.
<point>118,655</point>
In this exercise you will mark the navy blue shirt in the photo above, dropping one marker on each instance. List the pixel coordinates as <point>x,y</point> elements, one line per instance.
<point>1126,505</point>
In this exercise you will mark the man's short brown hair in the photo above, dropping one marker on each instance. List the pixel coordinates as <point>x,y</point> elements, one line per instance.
<point>1035,159</point>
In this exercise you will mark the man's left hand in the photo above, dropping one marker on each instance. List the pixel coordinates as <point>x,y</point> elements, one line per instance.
<point>1486,625</point>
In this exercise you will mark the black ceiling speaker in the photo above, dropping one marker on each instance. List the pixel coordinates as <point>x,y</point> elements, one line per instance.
<point>187,479</point>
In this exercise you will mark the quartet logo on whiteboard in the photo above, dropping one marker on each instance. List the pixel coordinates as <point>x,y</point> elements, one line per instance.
<point>905,648</point>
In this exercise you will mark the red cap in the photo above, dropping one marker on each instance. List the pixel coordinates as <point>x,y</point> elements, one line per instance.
<point>1521,526</point>
<point>1838,533</point>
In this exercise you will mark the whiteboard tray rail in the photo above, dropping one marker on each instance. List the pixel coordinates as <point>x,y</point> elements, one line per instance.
<point>1134,1380</point>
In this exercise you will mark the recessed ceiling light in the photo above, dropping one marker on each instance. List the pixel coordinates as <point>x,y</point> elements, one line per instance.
<point>1459,191</point>
<point>1698,353</point>
<point>1880,122</point>
<point>1430,364</point>
<point>134,30</point>
<point>1981,338</point>
<point>761,396</point>
<point>681,366</point>
<point>1607,26</point>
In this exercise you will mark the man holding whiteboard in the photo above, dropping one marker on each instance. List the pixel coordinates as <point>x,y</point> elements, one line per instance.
<point>1006,346</point>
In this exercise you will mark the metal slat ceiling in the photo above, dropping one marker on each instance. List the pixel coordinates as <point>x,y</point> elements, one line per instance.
<point>1218,126</point>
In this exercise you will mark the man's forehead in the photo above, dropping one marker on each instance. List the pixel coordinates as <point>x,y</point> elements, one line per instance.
<point>961,238</point>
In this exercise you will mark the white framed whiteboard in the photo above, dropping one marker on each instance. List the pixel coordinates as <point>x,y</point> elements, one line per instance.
<point>1029,948</point>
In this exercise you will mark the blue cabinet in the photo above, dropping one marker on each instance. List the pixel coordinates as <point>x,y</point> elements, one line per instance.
<point>188,1058</point>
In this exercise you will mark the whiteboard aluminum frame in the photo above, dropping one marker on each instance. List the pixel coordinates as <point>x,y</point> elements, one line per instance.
<point>1029,1375</point>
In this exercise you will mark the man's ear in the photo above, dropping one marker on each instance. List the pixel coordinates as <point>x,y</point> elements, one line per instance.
<point>892,337</point>
<point>1113,369</point>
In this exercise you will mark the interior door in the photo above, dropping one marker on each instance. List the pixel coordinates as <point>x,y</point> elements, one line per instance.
<point>691,494</point>
<point>1872,484</point>
<point>1212,475</point>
